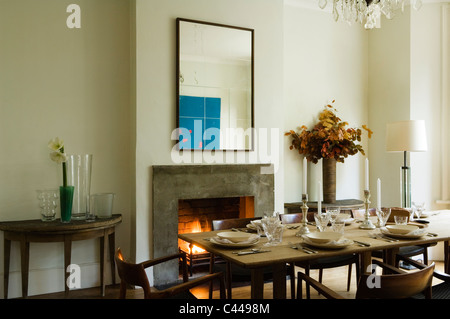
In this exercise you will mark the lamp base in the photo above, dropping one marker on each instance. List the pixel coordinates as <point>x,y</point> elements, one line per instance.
<point>405,190</point>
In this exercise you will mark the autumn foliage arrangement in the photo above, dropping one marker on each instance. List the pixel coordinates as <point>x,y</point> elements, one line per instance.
<point>329,138</point>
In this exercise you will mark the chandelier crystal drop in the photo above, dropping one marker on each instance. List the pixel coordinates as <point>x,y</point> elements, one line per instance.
<point>366,12</point>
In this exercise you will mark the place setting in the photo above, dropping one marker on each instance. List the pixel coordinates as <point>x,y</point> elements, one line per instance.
<point>328,237</point>
<point>235,239</point>
<point>269,227</point>
<point>400,229</point>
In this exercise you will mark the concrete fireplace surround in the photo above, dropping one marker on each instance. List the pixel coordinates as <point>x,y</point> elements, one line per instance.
<point>174,182</point>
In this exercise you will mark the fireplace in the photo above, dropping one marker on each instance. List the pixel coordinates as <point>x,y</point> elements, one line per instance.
<point>197,215</point>
<point>174,184</point>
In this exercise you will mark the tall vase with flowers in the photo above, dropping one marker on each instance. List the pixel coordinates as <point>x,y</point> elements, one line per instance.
<point>65,191</point>
<point>331,141</point>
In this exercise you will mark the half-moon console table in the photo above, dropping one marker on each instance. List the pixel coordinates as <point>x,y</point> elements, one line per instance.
<point>26,231</point>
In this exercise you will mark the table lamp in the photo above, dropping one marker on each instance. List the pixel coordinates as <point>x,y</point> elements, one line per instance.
<point>406,136</point>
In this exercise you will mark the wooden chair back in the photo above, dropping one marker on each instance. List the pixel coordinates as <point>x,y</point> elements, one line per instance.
<point>131,274</point>
<point>291,218</point>
<point>134,275</point>
<point>360,213</point>
<point>396,286</point>
<point>398,211</point>
<point>229,223</point>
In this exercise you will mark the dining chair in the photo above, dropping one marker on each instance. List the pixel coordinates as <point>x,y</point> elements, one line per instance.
<point>441,290</point>
<point>132,274</point>
<point>361,213</point>
<point>392,284</point>
<point>320,263</point>
<point>233,273</point>
<point>407,251</point>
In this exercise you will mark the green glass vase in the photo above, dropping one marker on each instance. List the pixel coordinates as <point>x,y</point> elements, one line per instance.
<point>66,200</point>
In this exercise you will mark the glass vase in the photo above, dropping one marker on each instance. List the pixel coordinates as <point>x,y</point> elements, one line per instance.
<point>66,200</point>
<point>79,169</point>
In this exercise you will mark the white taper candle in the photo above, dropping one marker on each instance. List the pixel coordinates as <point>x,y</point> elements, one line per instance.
<point>305,166</point>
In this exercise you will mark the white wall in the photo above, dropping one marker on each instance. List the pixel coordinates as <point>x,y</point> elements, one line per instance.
<point>389,99</point>
<point>71,83</point>
<point>323,60</point>
<point>155,106</point>
<point>405,83</point>
<point>426,69</point>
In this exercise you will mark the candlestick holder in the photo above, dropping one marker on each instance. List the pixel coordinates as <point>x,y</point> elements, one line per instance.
<point>367,223</point>
<point>304,227</point>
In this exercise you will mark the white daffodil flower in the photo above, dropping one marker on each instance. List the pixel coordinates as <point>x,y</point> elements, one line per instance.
<point>56,144</point>
<point>58,157</point>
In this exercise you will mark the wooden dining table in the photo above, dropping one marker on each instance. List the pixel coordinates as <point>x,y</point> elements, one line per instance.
<point>288,251</point>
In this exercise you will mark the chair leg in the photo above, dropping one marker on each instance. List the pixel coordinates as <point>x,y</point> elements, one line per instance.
<point>292,277</point>
<point>349,279</point>
<point>425,256</point>
<point>308,290</point>
<point>229,279</point>
<point>123,290</point>
<point>211,270</point>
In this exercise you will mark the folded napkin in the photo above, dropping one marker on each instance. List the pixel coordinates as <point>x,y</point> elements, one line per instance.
<point>249,240</point>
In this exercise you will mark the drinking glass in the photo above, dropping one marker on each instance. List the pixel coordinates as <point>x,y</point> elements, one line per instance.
<point>338,226</point>
<point>401,220</point>
<point>48,201</point>
<point>333,212</point>
<point>322,220</point>
<point>273,229</point>
<point>383,215</point>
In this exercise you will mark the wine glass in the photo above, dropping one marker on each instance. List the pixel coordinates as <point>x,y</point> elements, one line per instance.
<point>333,212</point>
<point>419,208</point>
<point>322,220</point>
<point>383,215</point>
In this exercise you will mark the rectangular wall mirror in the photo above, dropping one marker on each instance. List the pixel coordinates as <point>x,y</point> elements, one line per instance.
<point>214,86</point>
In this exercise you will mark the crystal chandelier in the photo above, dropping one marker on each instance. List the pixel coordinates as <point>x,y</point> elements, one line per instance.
<point>367,12</point>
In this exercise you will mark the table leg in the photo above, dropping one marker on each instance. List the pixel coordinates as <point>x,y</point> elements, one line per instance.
<point>365,259</point>
<point>257,283</point>
<point>391,256</point>
<point>25,262</point>
<point>102,263</point>
<point>279,281</point>
<point>6,261</point>
<point>67,260</point>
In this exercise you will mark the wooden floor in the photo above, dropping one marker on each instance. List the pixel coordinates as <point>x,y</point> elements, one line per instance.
<point>336,279</point>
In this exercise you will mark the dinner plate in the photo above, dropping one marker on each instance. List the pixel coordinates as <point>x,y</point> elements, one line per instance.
<point>342,243</point>
<point>413,235</point>
<point>217,241</point>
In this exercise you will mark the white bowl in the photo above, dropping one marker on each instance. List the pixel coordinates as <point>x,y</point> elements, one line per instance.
<point>323,237</point>
<point>401,229</point>
<point>234,236</point>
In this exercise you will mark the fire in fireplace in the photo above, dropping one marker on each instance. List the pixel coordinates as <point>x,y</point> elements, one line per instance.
<point>196,215</point>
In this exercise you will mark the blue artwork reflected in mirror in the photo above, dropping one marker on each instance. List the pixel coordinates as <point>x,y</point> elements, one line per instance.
<point>199,122</point>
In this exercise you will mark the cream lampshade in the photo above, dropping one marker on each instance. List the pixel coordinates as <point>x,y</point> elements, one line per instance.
<point>406,136</point>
